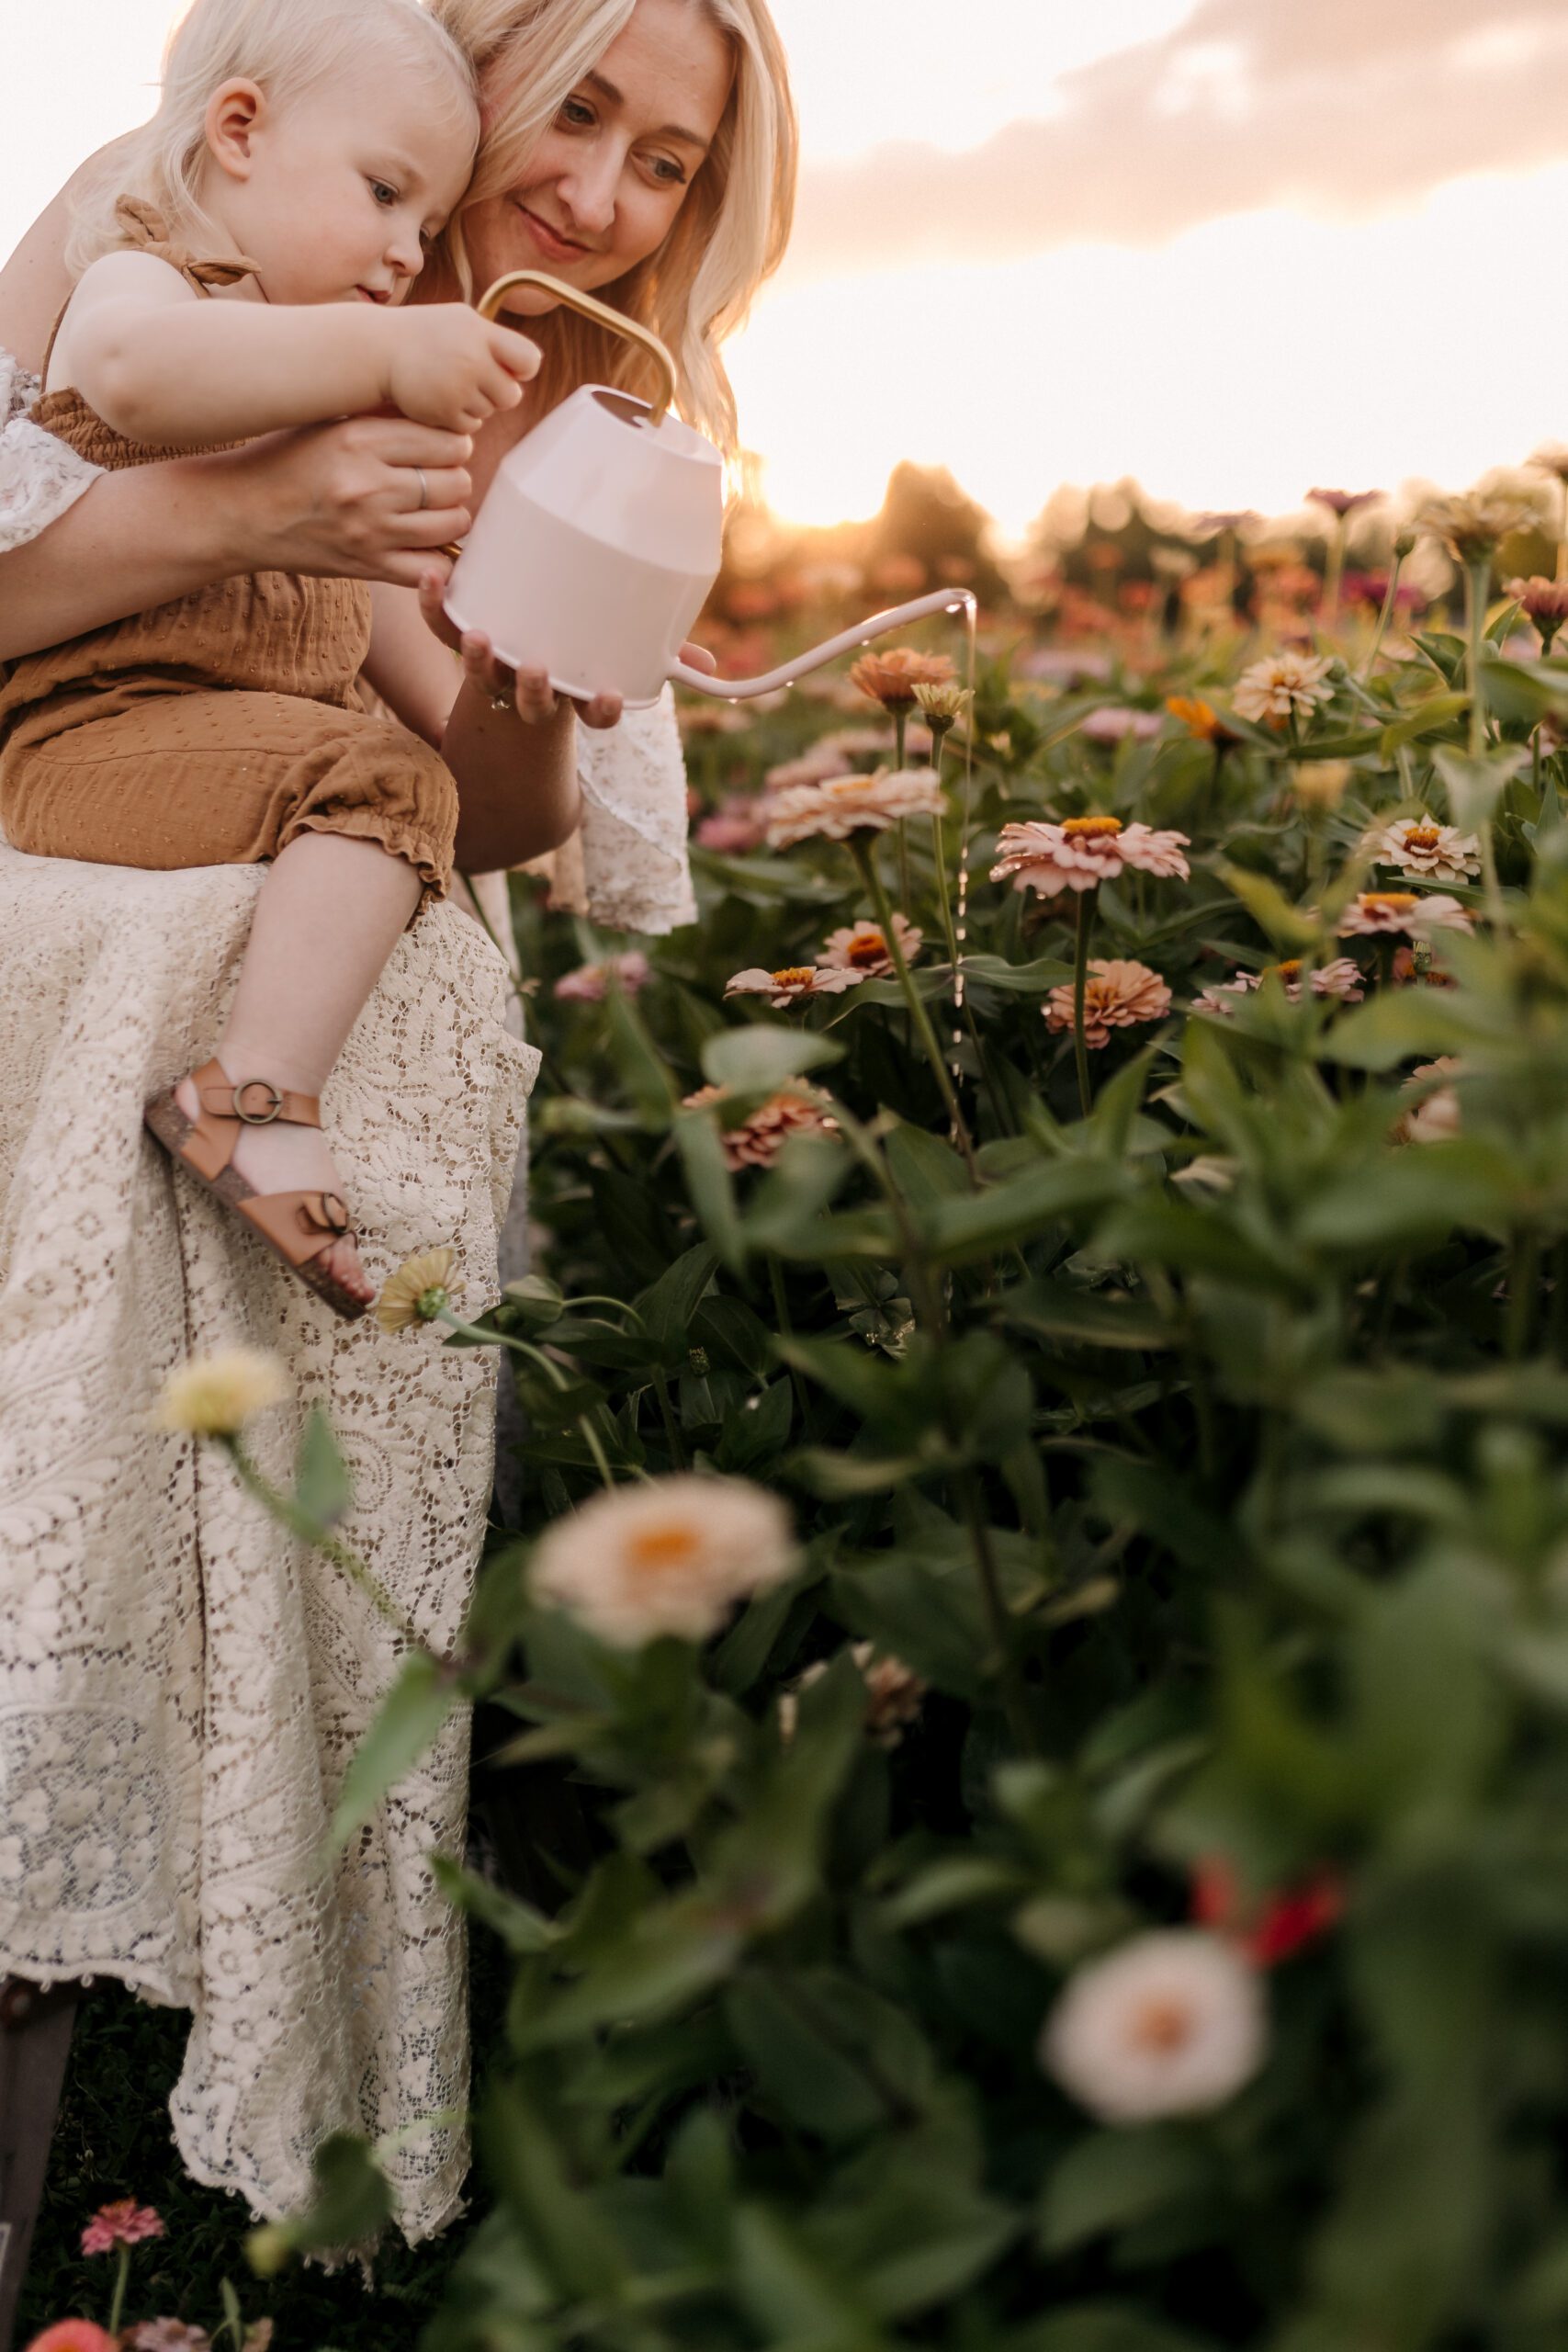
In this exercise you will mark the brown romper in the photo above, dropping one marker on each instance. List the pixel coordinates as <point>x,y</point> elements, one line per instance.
<point>212,730</point>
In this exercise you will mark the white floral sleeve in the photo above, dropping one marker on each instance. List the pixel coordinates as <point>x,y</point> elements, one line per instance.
<point>628,867</point>
<point>39,477</point>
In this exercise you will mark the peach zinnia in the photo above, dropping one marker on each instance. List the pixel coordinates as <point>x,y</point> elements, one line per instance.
<point>793,985</point>
<point>1340,977</point>
<point>1082,852</point>
<point>671,1557</point>
<point>1116,995</point>
<point>863,947</point>
<point>1418,845</point>
<point>891,678</point>
<point>757,1140</point>
<point>1271,689</point>
<point>849,804</point>
<point>1436,1118</point>
<point>1376,913</point>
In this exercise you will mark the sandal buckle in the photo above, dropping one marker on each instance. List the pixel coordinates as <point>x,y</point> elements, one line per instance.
<point>257,1118</point>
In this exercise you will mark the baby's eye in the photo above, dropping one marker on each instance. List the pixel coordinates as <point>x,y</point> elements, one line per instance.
<point>382,193</point>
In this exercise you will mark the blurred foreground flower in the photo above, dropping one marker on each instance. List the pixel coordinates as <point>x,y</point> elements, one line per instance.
<point>590,983</point>
<point>1170,2023</point>
<point>74,2335</point>
<point>1270,690</point>
<point>863,947</point>
<point>1321,784</point>
<point>1377,912</point>
<point>1419,845</point>
<point>1340,977</point>
<point>1200,718</point>
<point>1276,1928</point>
<point>1435,1119</point>
<point>670,1557</point>
<point>169,2336</point>
<point>1082,852</point>
<point>418,1291</point>
<point>1118,994</point>
<point>847,803</point>
<point>823,760</point>
<point>759,1139</point>
<point>1472,527</point>
<point>213,1396</point>
<point>1544,603</point>
<point>1341,503</point>
<point>793,985</point>
<point>891,678</point>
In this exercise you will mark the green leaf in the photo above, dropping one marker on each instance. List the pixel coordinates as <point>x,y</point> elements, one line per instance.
<point>522,1929</point>
<point>711,1185</point>
<point>758,1059</point>
<point>1090,1318</point>
<point>668,1308</point>
<point>1288,926</point>
<point>958,1231</point>
<point>1476,785</point>
<point>323,1487</point>
<point>1113,2179</point>
<point>410,1720</point>
<point>827,2051</point>
<point>563,2228</point>
<point>924,1168</point>
<point>1415,1196</point>
<point>1436,711</point>
<point>350,2205</point>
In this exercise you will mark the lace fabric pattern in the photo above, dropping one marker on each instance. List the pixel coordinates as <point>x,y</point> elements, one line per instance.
<point>39,477</point>
<point>181,1687</point>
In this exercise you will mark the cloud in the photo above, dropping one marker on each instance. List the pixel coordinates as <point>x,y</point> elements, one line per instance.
<point>1343,108</point>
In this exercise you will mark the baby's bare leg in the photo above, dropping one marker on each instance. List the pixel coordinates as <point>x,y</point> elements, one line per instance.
<point>329,915</point>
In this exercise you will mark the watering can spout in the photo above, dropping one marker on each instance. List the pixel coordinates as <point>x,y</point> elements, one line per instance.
<point>944,600</point>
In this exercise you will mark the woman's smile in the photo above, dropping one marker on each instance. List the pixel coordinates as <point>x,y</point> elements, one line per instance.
<point>550,241</point>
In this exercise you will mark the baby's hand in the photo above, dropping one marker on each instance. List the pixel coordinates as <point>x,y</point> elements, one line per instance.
<point>450,368</point>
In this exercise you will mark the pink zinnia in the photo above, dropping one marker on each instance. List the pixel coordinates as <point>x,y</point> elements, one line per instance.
<point>790,985</point>
<point>863,949</point>
<point>1378,913</point>
<point>1118,993</point>
<point>1114,725</point>
<point>72,2335</point>
<point>757,1140</point>
<point>589,984</point>
<point>1082,852</point>
<point>124,2223</point>
<point>849,804</point>
<point>734,829</point>
<point>1340,977</point>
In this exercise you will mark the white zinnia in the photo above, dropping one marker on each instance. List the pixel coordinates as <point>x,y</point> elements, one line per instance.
<point>671,1557</point>
<point>1170,2023</point>
<point>215,1396</point>
<point>1271,689</point>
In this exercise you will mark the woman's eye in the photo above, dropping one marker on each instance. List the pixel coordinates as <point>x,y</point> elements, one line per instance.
<point>670,174</point>
<point>574,111</point>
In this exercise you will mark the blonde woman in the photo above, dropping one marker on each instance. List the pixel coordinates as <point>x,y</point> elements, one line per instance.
<point>163,1661</point>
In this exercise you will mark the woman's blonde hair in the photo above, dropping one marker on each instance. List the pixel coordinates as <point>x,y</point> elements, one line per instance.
<point>285,46</point>
<point>728,235</point>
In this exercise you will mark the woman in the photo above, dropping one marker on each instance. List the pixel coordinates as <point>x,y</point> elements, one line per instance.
<point>200,1701</point>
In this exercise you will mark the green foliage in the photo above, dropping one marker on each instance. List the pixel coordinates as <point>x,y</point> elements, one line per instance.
<point>1179,1480</point>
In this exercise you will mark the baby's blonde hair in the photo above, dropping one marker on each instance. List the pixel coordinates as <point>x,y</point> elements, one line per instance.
<point>729,234</point>
<point>285,46</point>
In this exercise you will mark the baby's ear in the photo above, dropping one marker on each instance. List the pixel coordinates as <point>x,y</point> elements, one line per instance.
<point>234,115</point>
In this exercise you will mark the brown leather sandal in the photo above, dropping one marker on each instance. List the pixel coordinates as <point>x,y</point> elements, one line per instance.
<point>299,1226</point>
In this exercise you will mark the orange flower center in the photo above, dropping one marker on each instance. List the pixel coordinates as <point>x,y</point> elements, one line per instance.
<point>797,976</point>
<point>869,948</point>
<point>1288,972</point>
<point>658,1548</point>
<point>1397,902</point>
<point>1161,2026</point>
<point>1088,829</point>
<point>1422,837</point>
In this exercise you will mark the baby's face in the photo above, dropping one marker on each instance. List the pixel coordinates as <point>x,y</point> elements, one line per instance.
<point>348,182</point>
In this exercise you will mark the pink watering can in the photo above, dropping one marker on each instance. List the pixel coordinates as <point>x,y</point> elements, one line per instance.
<point>602,534</point>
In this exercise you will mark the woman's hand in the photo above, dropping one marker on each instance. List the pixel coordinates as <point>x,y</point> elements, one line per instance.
<point>529,692</point>
<point>344,500</point>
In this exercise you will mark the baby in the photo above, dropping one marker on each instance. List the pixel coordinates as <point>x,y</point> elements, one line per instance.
<point>240,261</point>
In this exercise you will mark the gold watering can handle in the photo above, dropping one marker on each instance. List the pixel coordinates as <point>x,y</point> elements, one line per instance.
<point>602,315</point>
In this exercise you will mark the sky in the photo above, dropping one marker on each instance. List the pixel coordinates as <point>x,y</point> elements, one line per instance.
<point>1231,248</point>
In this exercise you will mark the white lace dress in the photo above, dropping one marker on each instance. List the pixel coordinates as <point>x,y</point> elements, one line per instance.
<point>180,1687</point>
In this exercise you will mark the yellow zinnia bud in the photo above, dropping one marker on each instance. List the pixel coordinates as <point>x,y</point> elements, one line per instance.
<point>215,1396</point>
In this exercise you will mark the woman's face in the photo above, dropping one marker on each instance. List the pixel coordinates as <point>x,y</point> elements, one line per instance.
<point>613,172</point>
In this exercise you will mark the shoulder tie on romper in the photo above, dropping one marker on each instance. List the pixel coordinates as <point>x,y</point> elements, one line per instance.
<point>145,227</point>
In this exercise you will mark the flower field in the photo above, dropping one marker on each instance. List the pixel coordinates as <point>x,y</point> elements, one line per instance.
<point>1044,1594</point>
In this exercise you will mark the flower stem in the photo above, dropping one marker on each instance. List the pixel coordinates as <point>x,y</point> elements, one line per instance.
<point>1384,617</point>
<point>535,1355</point>
<point>1477,578</point>
<point>121,2279</point>
<point>927,1034</point>
<point>1014,1690</point>
<point>1086,907</point>
<point>287,1511</point>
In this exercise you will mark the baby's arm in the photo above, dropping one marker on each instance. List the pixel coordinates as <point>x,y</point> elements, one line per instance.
<point>161,364</point>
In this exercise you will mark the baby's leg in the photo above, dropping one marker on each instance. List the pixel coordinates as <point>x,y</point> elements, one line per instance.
<point>358,817</point>
<point>330,913</point>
